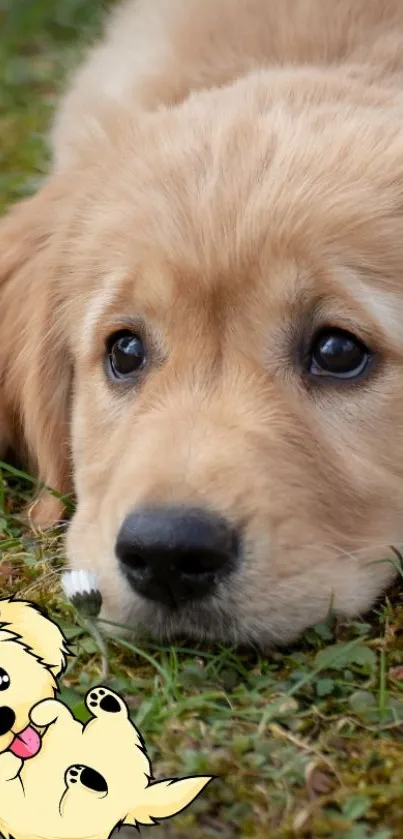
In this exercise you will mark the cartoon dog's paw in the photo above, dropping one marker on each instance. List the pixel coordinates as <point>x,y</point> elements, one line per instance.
<point>102,700</point>
<point>48,711</point>
<point>77,774</point>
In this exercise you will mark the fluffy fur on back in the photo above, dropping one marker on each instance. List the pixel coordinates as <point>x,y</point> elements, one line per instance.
<point>227,181</point>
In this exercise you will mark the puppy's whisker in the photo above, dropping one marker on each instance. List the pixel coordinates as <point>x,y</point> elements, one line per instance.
<point>338,550</point>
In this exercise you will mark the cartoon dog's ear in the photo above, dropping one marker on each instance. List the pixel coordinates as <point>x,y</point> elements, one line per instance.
<point>37,632</point>
<point>163,799</point>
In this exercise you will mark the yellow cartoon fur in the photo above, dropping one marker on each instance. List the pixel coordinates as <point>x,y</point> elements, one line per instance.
<point>60,779</point>
<point>87,779</point>
<point>33,653</point>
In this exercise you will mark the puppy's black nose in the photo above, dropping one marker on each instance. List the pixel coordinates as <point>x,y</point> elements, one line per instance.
<point>175,554</point>
<point>7,719</point>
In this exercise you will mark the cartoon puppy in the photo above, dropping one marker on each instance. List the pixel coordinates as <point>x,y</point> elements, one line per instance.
<point>33,653</point>
<point>88,779</point>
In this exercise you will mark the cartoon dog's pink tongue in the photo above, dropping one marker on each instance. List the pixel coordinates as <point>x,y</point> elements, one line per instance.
<point>26,744</point>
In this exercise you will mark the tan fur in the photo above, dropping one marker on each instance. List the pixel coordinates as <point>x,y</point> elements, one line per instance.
<point>231,173</point>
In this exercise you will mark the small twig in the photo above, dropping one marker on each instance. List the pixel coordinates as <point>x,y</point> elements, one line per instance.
<point>306,747</point>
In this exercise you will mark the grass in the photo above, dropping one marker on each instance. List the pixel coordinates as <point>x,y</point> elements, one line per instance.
<point>307,742</point>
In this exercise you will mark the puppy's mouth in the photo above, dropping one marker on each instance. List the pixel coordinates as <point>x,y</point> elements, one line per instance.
<point>207,620</point>
<point>26,743</point>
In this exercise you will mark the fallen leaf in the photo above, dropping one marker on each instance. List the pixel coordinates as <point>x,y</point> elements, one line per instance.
<point>319,778</point>
<point>396,673</point>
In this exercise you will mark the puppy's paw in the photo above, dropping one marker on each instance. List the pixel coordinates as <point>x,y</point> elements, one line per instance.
<point>47,712</point>
<point>87,777</point>
<point>101,700</point>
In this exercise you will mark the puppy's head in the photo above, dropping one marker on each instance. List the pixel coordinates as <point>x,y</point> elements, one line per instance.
<point>230,287</point>
<point>32,654</point>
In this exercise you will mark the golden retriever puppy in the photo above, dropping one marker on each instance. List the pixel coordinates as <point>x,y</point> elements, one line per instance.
<point>201,314</point>
<point>33,653</point>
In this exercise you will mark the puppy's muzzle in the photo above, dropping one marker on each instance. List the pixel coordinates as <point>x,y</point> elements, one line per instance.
<point>7,719</point>
<point>174,555</point>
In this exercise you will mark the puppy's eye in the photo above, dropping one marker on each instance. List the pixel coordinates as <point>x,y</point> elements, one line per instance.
<point>5,680</point>
<point>338,354</point>
<point>126,354</point>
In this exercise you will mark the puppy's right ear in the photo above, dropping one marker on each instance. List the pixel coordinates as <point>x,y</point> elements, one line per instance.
<point>36,372</point>
<point>38,632</point>
<point>24,231</point>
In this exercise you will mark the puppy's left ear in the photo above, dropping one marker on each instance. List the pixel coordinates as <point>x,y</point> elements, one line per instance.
<point>37,632</point>
<point>34,357</point>
<point>163,799</point>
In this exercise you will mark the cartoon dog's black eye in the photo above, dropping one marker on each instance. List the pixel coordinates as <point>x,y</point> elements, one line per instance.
<point>5,680</point>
